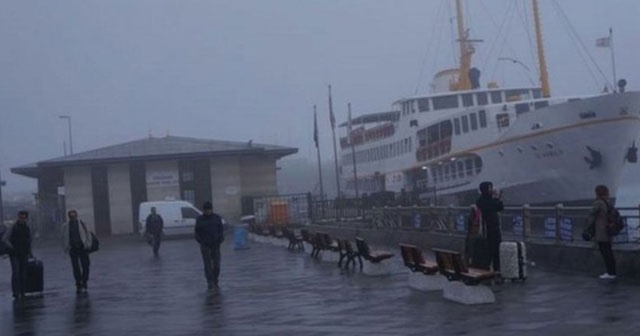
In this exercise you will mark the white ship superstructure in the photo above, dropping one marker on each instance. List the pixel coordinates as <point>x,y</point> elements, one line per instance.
<point>538,149</point>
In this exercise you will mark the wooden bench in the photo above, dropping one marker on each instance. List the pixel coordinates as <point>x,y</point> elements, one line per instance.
<point>295,241</point>
<point>452,265</point>
<point>376,262</point>
<point>423,273</point>
<point>464,282</point>
<point>371,256</point>
<point>347,251</point>
<point>414,259</point>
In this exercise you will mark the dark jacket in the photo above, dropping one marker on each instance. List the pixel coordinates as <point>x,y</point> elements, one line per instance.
<point>209,230</point>
<point>18,239</point>
<point>490,207</point>
<point>154,224</point>
<point>598,218</point>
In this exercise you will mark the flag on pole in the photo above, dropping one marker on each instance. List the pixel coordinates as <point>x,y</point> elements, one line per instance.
<point>332,118</point>
<point>604,42</point>
<point>349,126</point>
<point>315,126</point>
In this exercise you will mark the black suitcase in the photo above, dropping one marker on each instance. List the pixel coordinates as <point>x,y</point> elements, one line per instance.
<point>35,276</point>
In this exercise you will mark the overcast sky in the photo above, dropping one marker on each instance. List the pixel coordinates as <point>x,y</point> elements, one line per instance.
<point>240,70</point>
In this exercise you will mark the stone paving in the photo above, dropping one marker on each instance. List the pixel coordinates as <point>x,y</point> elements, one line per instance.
<point>267,290</point>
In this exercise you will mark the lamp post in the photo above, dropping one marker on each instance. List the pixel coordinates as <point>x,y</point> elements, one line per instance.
<point>2,184</point>
<point>70,137</point>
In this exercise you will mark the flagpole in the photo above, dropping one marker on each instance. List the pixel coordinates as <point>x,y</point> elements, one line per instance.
<point>353,154</point>
<point>315,138</point>
<point>332,119</point>
<point>613,58</point>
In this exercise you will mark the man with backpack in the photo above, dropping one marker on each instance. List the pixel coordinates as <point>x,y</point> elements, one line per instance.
<point>77,241</point>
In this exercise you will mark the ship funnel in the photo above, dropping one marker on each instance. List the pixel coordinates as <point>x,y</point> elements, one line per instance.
<point>474,78</point>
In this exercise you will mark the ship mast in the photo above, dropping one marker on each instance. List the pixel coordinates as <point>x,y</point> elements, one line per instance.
<point>466,51</point>
<point>542,62</point>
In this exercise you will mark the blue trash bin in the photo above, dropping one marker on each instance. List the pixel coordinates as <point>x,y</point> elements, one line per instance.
<point>240,237</point>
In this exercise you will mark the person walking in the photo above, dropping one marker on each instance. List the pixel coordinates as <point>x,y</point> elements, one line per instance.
<point>209,234</point>
<point>598,218</point>
<point>153,229</point>
<point>490,204</point>
<point>76,240</point>
<point>17,239</point>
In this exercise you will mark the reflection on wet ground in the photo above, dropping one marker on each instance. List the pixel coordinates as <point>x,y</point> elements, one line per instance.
<point>267,290</point>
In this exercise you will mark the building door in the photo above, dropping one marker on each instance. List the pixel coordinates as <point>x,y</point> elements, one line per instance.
<point>100,187</point>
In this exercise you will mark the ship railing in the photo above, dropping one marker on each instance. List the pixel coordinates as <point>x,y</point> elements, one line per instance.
<point>554,225</point>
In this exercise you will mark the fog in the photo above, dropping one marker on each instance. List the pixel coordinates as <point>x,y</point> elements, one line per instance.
<point>240,70</point>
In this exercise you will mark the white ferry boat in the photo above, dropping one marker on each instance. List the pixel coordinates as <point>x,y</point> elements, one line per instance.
<point>536,148</point>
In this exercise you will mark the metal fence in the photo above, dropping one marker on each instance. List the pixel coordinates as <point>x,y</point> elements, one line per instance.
<point>554,225</point>
<point>279,209</point>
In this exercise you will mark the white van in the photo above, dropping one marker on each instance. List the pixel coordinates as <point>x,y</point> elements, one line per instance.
<point>179,217</point>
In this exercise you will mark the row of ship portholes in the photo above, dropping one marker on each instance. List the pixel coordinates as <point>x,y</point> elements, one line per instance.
<point>521,149</point>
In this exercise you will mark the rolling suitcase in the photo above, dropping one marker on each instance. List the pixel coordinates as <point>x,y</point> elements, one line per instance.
<point>35,276</point>
<point>513,260</point>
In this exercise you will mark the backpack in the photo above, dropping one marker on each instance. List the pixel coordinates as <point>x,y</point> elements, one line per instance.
<point>615,222</point>
<point>475,227</point>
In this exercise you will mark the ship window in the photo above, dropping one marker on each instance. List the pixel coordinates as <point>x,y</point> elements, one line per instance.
<point>467,99</point>
<point>460,169</point>
<point>496,97</point>
<point>515,95</point>
<point>413,106</point>
<point>423,104</point>
<point>454,173</point>
<point>482,99</point>
<point>456,126</point>
<point>465,124</point>
<point>482,115</point>
<point>445,102</point>
<point>540,104</point>
<point>537,93</point>
<point>468,166</point>
<point>477,165</point>
<point>522,108</point>
<point>503,120</point>
<point>446,173</point>
<point>433,133</point>
<point>440,174</point>
<point>410,144</point>
<point>446,130</point>
<point>406,145</point>
<point>474,121</point>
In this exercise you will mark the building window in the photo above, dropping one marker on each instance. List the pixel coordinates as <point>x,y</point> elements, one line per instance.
<point>187,176</point>
<point>189,196</point>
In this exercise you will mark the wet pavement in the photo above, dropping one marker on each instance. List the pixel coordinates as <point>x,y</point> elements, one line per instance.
<point>267,290</point>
